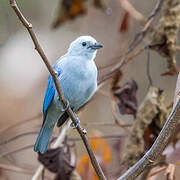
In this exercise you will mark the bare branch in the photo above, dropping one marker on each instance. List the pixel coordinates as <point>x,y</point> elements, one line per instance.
<point>170,172</point>
<point>157,148</point>
<point>138,52</point>
<point>15,151</point>
<point>17,137</point>
<point>97,137</point>
<point>106,124</point>
<point>81,131</point>
<point>157,171</point>
<point>20,122</point>
<point>18,169</point>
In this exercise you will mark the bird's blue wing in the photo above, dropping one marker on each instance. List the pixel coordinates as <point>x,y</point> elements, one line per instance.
<point>50,91</point>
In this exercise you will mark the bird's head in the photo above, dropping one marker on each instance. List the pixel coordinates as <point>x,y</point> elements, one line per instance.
<point>84,46</point>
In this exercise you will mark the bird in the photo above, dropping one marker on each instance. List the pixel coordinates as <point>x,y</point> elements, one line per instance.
<point>77,74</point>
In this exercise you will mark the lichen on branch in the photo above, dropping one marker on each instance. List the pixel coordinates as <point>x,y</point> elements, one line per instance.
<point>164,38</point>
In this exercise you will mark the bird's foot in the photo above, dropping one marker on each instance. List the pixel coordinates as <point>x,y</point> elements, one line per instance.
<point>67,106</point>
<point>77,123</point>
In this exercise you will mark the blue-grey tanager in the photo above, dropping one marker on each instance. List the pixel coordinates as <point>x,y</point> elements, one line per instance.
<point>77,75</point>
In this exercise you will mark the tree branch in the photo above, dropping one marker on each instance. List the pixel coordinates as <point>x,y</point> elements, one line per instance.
<point>71,114</point>
<point>157,148</point>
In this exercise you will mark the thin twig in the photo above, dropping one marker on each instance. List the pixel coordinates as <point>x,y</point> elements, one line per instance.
<point>170,172</point>
<point>19,123</point>
<point>17,137</point>
<point>148,66</point>
<point>97,137</point>
<point>15,151</point>
<point>106,94</point>
<point>57,143</point>
<point>43,174</point>
<point>106,124</point>
<point>18,169</point>
<point>60,140</point>
<point>138,52</point>
<point>157,171</point>
<point>71,114</point>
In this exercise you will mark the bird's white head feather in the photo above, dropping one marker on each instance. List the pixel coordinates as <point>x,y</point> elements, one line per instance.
<point>84,46</point>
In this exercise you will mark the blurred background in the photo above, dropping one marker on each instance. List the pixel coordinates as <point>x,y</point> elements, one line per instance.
<point>23,76</point>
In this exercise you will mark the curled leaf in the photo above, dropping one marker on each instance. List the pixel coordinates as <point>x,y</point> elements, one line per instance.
<point>127,98</point>
<point>58,161</point>
<point>124,96</point>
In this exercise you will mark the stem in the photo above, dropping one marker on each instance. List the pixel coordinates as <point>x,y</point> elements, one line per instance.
<point>157,148</point>
<point>71,114</point>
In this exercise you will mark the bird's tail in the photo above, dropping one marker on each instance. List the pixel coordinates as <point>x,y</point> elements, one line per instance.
<point>42,140</point>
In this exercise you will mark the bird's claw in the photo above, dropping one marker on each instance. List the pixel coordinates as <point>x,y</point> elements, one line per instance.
<point>77,123</point>
<point>67,106</point>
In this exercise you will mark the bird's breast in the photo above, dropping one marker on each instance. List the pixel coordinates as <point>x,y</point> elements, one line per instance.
<point>79,85</point>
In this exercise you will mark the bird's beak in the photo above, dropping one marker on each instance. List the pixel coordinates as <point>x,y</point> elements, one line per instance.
<point>96,46</point>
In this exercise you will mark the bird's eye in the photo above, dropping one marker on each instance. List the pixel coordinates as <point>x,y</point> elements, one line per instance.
<point>84,44</point>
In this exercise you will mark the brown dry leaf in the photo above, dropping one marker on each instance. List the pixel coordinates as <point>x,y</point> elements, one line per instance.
<point>150,118</point>
<point>124,96</point>
<point>165,37</point>
<point>58,161</point>
<point>103,155</point>
<point>125,23</point>
<point>127,98</point>
<point>68,9</point>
